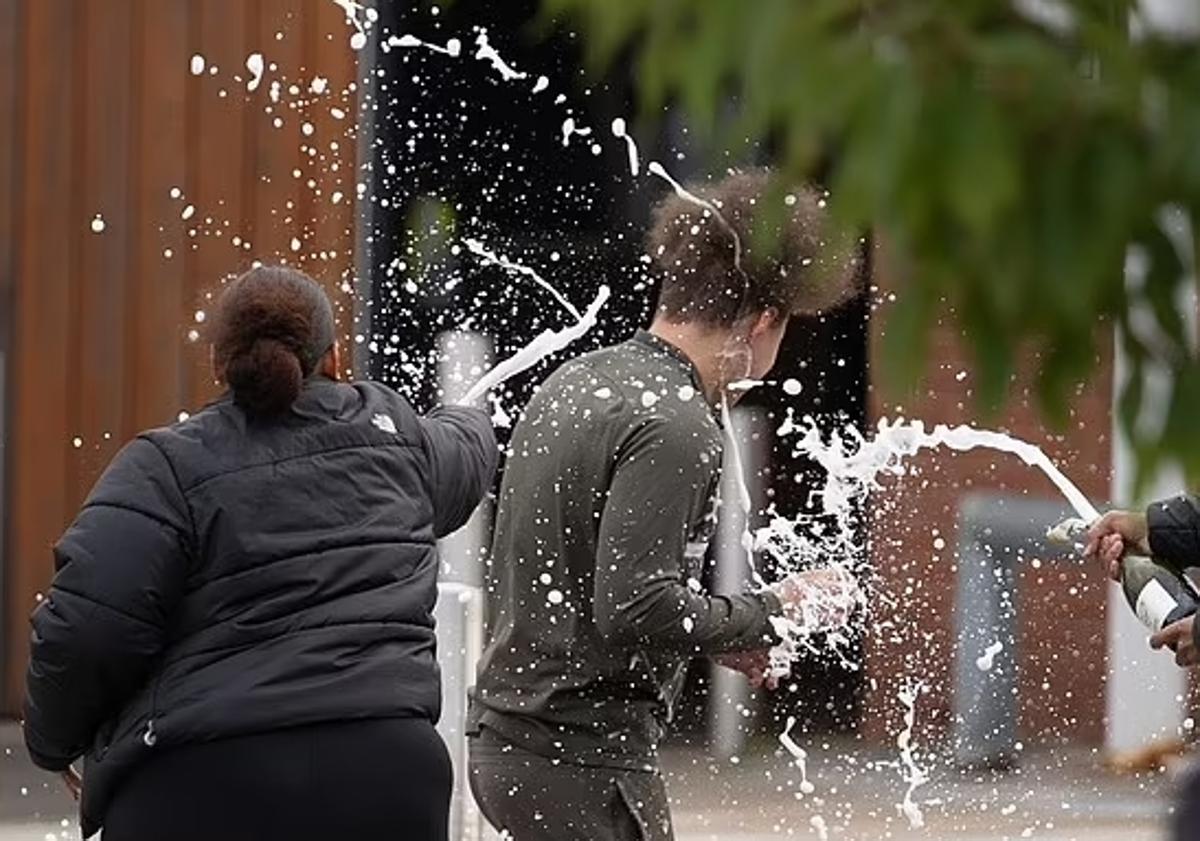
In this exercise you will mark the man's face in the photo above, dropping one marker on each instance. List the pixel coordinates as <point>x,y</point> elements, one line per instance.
<point>765,338</point>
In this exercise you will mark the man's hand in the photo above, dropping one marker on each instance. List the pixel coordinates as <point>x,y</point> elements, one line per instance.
<point>753,664</point>
<point>1178,637</point>
<point>819,598</point>
<point>73,780</point>
<point>1115,534</point>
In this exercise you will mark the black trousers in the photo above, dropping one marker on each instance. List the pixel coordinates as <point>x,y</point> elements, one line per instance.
<point>379,779</point>
<point>534,798</point>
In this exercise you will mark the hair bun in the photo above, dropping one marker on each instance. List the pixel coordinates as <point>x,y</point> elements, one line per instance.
<point>266,378</point>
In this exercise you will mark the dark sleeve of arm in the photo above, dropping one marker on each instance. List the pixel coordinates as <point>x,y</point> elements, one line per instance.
<point>641,592</point>
<point>121,567</point>
<point>1174,531</point>
<point>461,447</point>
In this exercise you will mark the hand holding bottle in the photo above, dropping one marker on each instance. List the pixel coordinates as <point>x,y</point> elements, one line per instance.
<point>1115,534</point>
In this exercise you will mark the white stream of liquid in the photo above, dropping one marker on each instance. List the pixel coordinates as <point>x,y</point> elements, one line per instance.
<point>488,256</point>
<point>914,775</point>
<point>543,345</point>
<point>799,756</point>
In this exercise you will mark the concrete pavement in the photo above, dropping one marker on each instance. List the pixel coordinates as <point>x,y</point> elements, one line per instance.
<point>1054,795</point>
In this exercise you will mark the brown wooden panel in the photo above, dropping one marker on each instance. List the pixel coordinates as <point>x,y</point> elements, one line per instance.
<point>333,167</point>
<point>41,440</point>
<point>277,150</point>
<point>9,78</point>
<point>103,105</point>
<point>153,385</point>
<point>11,75</point>
<point>217,179</point>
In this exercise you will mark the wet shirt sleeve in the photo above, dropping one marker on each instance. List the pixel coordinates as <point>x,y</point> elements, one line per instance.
<point>659,491</point>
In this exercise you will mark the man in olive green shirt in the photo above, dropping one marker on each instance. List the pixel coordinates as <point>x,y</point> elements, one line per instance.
<point>605,513</point>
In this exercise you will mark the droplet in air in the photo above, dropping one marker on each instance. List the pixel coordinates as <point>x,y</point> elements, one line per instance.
<point>254,63</point>
<point>98,224</point>
<point>792,387</point>
<point>197,64</point>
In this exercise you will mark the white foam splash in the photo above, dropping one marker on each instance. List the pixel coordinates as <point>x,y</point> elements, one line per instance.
<point>353,10</point>
<point>487,255</point>
<point>799,756</point>
<point>484,51</point>
<point>914,775</point>
<point>541,84</point>
<point>853,463</point>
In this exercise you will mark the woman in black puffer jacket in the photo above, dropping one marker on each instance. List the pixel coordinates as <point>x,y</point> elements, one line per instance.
<point>239,638</point>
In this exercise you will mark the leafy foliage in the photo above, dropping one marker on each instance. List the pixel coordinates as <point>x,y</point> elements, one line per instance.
<point>1011,155</point>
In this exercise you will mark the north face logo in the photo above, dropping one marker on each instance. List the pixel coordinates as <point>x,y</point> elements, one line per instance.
<point>385,423</point>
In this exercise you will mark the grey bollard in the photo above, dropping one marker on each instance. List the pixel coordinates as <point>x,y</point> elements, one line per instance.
<point>995,533</point>
<point>729,693</point>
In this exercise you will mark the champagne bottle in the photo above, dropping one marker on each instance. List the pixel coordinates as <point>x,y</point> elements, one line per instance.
<point>1158,595</point>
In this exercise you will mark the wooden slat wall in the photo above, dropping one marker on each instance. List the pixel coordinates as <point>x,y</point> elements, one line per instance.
<point>106,118</point>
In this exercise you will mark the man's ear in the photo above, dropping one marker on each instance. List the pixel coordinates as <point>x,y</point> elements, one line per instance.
<point>766,321</point>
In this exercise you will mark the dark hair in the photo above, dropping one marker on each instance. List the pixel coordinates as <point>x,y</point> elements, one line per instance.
<point>273,325</point>
<point>795,271</point>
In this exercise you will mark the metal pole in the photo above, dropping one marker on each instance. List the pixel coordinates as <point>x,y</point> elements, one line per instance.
<point>729,701</point>
<point>459,613</point>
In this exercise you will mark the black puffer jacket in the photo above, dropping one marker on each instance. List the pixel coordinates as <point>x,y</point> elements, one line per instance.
<point>228,577</point>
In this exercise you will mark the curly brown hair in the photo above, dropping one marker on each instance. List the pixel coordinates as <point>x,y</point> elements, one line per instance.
<point>272,327</point>
<point>696,253</point>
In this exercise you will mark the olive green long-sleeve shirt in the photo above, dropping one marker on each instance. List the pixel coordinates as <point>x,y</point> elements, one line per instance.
<point>605,513</point>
